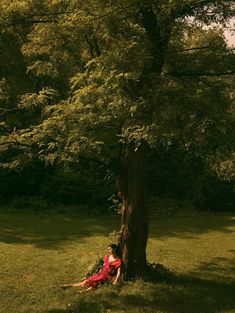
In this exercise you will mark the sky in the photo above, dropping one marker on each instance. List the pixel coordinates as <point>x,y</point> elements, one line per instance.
<point>230,37</point>
<point>230,33</point>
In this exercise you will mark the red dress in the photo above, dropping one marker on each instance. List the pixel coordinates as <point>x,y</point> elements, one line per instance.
<point>107,272</point>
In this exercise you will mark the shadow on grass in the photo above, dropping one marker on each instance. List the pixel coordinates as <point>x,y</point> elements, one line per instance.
<point>183,294</point>
<point>49,230</point>
<point>219,267</point>
<point>188,227</point>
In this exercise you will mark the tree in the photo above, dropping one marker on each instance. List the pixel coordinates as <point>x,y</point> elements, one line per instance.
<point>135,74</point>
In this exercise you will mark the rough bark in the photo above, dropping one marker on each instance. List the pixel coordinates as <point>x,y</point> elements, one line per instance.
<point>132,183</point>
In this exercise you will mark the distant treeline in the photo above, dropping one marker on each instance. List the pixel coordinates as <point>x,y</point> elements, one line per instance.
<point>172,175</point>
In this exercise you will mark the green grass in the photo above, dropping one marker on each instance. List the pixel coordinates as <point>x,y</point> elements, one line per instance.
<point>38,252</point>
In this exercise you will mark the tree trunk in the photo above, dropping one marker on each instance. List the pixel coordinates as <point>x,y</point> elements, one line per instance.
<point>132,184</point>
<point>132,181</point>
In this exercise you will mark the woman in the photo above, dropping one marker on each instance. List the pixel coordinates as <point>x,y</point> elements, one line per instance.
<point>111,267</point>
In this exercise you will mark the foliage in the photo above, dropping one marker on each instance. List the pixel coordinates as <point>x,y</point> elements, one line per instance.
<point>95,267</point>
<point>82,187</point>
<point>31,204</point>
<point>177,178</point>
<point>86,97</point>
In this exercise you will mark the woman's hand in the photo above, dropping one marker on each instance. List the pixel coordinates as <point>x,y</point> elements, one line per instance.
<point>116,280</point>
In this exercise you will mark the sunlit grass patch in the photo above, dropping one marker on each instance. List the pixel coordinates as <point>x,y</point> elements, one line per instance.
<point>38,252</point>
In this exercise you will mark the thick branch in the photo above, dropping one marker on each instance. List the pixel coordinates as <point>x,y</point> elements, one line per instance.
<point>192,49</point>
<point>159,35</point>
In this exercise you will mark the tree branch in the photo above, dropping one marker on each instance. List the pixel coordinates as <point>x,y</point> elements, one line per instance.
<point>201,48</point>
<point>30,18</point>
<point>192,49</point>
<point>8,110</point>
<point>194,74</point>
<point>94,46</point>
<point>29,22</point>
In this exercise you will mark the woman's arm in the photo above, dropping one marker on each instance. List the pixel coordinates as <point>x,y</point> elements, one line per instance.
<point>117,276</point>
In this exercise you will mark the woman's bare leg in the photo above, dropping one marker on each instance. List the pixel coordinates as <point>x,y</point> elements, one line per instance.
<point>81,284</point>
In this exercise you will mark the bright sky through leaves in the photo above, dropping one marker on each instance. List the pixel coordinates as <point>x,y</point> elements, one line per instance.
<point>230,33</point>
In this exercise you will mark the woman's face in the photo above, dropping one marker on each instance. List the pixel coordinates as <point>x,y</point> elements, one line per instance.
<point>110,250</point>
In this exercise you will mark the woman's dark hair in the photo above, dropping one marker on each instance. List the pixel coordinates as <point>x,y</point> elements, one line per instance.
<point>116,248</point>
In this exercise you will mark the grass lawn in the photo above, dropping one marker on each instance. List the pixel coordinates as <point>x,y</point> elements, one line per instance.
<point>38,252</point>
